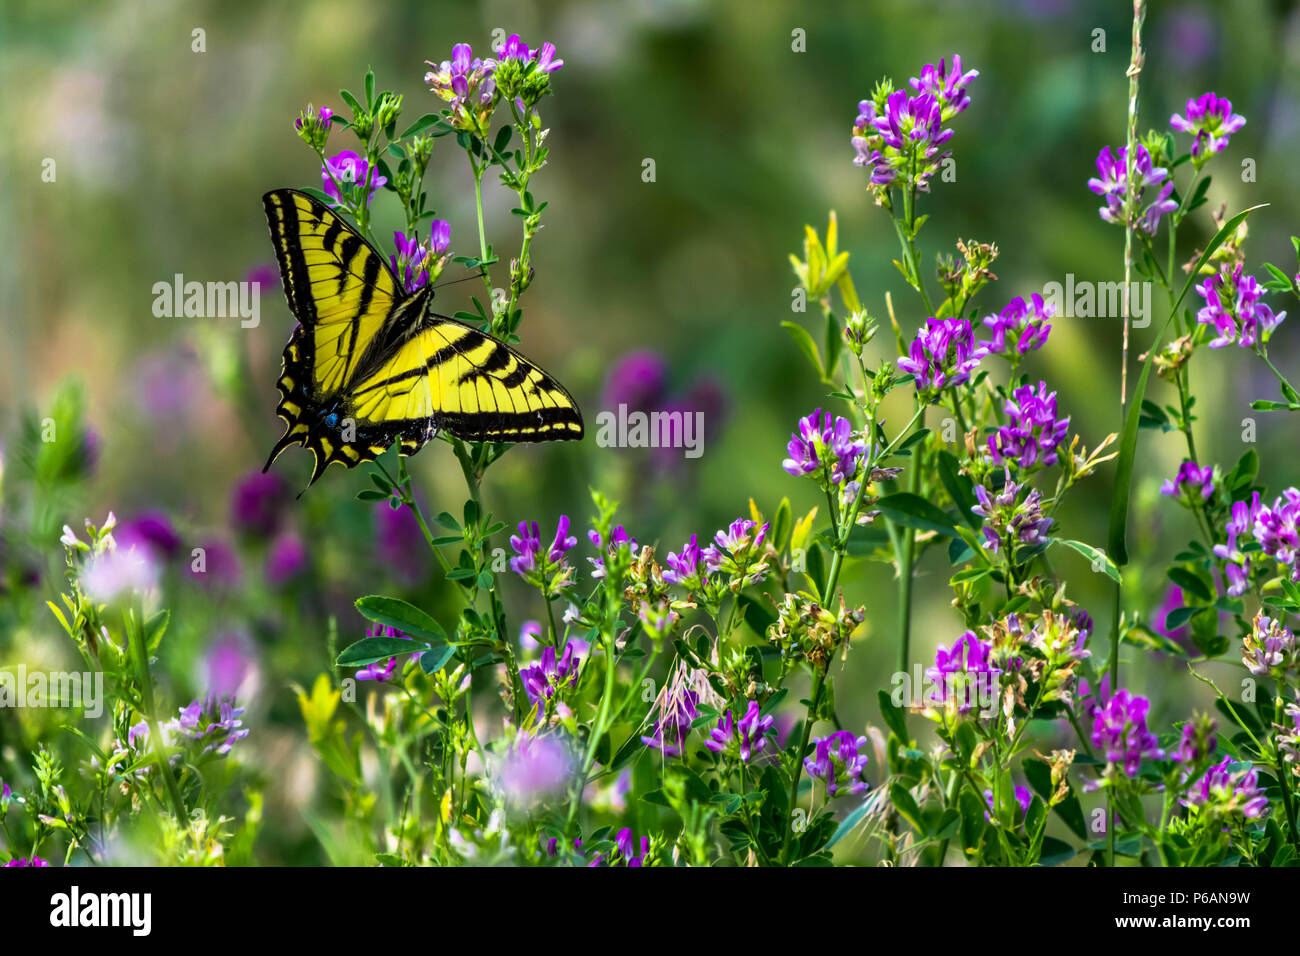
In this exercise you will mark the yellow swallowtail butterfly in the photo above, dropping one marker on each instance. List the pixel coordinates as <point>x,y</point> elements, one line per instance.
<point>370,365</point>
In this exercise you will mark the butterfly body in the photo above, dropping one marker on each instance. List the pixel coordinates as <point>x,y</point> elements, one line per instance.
<point>370,365</point>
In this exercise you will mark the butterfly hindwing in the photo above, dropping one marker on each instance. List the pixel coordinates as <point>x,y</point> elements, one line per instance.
<point>370,366</point>
<point>470,385</point>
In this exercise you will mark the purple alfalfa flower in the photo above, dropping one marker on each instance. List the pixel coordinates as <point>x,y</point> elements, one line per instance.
<point>620,549</point>
<point>737,551</point>
<point>259,503</point>
<point>314,127</point>
<point>1033,432</point>
<point>943,355</point>
<point>1021,795</point>
<point>530,635</point>
<point>1120,731</point>
<point>466,84</point>
<point>824,448</point>
<point>382,670</point>
<point>1111,184</point>
<point>543,679</point>
<point>542,58</point>
<point>745,737</point>
<point>838,760</point>
<point>1228,788</point>
<point>687,568</point>
<point>286,559</point>
<point>1237,564</point>
<point>1192,485</point>
<point>352,174</point>
<point>1198,741</point>
<point>1173,600</point>
<point>627,846</point>
<point>1020,328</point>
<point>118,572</point>
<point>1233,307</point>
<point>964,677</point>
<point>534,769</point>
<point>213,724</point>
<point>27,861</point>
<point>546,566</point>
<point>1211,122</point>
<point>1277,533</point>
<point>419,263</point>
<point>1270,649</point>
<point>947,84</point>
<point>1008,519</point>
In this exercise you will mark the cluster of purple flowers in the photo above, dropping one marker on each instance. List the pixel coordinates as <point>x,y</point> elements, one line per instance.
<point>1237,563</point>
<point>898,135</point>
<point>544,678</point>
<point>1033,432</point>
<point>826,450</point>
<point>1224,790</point>
<point>465,82</point>
<point>1191,485</point>
<point>943,355</point>
<point>1119,730</point>
<point>746,737</point>
<point>839,761</point>
<point>1008,520</point>
<point>349,179</point>
<point>1111,183</point>
<point>964,677</point>
<point>419,263</point>
<point>687,568</point>
<point>620,548</point>
<point>1020,328</point>
<point>1233,307</point>
<point>215,724</point>
<point>1275,528</point>
<point>543,567</point>
<point>1270,649</point>
<point>1211,121</point>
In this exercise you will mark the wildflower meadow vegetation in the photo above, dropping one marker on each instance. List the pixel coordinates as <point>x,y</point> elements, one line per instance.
<point>494,685</point>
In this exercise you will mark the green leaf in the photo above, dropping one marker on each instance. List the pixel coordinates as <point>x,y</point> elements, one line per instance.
<point>371,649</point>
<point>913,511</point>
<point>895,718</point>
<point>1191,583</point>
<point>407,618</point>
<point>959,487</point>
<point>420,125</point>
<point>1095,556</point>
<point>806,344</point>
<point>906,806</point>
<point>435,660</point>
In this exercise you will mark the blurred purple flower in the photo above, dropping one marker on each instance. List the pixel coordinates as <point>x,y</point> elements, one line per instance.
<point>534,769</point>
<point>151,531</point>
<point>637,380</point>
<point>216,567</point>
<point>1230,790</point>
<point>258,504</point>
<point>382,670</point>
<point>400,543</point>
<point>227,665</point>
<point>286,559</point>
<point>32,861</point>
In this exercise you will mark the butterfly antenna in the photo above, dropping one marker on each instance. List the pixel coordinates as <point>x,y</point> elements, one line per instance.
<point>477,275</point>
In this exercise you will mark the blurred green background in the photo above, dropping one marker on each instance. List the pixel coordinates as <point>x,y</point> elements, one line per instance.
<point>162,154</point>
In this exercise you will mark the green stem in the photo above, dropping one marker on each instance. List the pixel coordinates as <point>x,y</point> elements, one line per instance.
<point>819,678</point>
<point>135,620</point>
